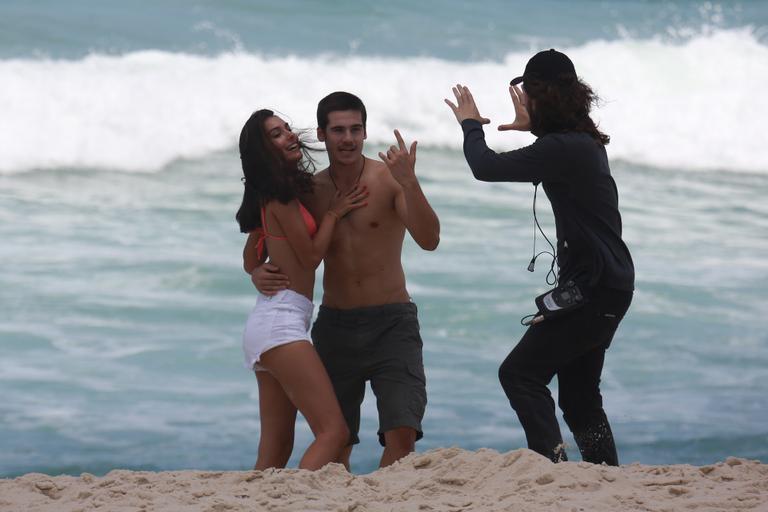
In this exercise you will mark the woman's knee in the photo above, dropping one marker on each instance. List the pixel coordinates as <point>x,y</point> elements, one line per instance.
<point>341,432</point>
<point>335,433</point>
<point>332,427</point>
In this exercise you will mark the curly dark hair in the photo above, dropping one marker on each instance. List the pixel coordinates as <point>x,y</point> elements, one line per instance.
<point>563,105</point>
<point>265,175</point>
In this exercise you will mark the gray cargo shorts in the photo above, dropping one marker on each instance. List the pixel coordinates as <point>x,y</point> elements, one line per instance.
<point>380,344</point>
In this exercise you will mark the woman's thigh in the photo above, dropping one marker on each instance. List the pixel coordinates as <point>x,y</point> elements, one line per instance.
<point>276,411</point>
<point>298,369</point>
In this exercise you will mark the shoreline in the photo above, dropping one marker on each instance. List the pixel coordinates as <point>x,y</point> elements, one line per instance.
<point>444,479</point>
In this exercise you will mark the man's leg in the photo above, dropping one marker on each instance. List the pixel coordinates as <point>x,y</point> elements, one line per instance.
<point>398,381</point>
<point>334,341</point>
<point>398,443</point>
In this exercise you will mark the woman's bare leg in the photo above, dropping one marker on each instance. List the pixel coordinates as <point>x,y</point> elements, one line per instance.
<point>344,456</point>
<point>298,369</point>
<point>278,418</point>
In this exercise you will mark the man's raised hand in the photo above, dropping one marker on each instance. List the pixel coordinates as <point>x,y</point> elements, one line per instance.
<point>400,161</point>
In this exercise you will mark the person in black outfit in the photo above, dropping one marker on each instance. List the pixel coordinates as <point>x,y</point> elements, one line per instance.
<point>569,159</point>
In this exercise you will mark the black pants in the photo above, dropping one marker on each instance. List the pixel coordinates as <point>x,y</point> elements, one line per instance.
<point>573,348</point>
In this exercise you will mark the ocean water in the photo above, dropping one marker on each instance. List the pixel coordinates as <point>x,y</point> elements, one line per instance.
<point>122,297</point>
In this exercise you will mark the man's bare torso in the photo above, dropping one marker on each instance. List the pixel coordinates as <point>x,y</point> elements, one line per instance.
<point>362,266</point>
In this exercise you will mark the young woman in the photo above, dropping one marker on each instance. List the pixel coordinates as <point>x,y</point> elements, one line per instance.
<point>276,342</point>
<point>569,160</point>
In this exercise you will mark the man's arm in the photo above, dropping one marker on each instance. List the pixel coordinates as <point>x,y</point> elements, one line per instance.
<point>265,276</point>
<point>268,279</point>
<point>412,205</point>
<point>418,216</point>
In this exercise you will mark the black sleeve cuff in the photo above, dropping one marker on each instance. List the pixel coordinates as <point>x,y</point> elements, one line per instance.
<point>469,124</point>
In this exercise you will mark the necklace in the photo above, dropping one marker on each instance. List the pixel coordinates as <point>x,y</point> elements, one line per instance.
<point>359,175</point>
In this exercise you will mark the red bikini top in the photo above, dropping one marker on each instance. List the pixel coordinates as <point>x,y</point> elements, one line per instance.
<point>309,222</point>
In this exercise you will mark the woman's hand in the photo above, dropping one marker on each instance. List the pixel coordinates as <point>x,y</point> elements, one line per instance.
<point>522,120</point>
<point>465,107</point>
<point>352,200</point>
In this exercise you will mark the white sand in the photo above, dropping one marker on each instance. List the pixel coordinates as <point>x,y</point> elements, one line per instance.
<point>448,479</point>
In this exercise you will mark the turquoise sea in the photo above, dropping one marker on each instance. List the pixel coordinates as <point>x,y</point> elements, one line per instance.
<point>122,296</point>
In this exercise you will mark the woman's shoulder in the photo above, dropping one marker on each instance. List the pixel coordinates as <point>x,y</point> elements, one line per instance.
<point>277,207</point>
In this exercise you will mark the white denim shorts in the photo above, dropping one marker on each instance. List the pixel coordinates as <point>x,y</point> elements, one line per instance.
<point>282,318</point>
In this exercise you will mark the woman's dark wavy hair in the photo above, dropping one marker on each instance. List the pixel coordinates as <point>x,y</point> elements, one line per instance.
<point>265,175</point>
<point>563,105</point>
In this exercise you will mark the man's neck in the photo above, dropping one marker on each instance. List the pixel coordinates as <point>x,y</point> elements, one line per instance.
<point>345,176</point>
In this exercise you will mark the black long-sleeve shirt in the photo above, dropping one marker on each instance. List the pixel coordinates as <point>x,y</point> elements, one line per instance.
<point>573,169</point>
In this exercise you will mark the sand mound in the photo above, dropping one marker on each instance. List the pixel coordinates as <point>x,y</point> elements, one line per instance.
<point>448,479</point>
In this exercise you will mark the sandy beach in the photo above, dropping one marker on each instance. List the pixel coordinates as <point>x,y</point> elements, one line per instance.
<point>448,479</point>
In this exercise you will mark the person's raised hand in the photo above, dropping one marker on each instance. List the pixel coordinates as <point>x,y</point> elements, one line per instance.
<point>400,160</point>
<point>465,107</point>
<point>522,120</point>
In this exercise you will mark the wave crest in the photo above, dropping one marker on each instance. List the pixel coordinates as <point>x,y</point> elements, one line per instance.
<point>693,105</point>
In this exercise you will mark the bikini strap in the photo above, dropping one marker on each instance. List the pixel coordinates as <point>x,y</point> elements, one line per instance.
<point>261,241</point>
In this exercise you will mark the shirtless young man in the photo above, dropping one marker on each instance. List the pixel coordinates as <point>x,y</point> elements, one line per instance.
<point>367,328</point>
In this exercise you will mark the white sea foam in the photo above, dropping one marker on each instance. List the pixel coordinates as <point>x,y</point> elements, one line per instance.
<point>691,105</point>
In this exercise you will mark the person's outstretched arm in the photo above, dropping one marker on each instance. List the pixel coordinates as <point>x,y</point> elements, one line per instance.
<point>534,163</point>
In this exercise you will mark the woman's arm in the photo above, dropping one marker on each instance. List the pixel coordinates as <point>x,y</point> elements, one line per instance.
<point>310,251</point>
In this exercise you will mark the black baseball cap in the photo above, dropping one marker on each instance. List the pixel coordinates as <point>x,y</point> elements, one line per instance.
<point>547,65</point>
